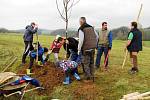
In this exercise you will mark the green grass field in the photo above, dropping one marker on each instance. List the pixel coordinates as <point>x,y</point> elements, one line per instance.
<point>107,86</point>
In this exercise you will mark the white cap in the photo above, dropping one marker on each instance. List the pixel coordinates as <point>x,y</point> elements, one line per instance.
<point>57,36</point>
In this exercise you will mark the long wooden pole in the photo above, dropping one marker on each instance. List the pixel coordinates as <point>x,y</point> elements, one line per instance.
<point>19,92</point>
<point>66,15</point>
<point>11,63</point>
<point>106,59</point>
<point>125,58</point>
<point>139,13</point>
<point>37,46</point>
<point>24,91</point>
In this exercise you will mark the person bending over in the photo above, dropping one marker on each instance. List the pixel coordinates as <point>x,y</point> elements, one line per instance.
<point>42,54</point>
<point>70,68</point>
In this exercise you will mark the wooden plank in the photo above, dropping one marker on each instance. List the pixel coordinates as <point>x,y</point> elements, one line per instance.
<point>131,95</point>
<point>140,96</point>
<point>6,76</point>
<point>13,61</point>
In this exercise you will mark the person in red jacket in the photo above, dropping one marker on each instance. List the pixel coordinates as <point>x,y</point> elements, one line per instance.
<point>55,47</point>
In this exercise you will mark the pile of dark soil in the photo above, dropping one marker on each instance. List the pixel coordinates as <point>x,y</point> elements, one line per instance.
<point>48,75</point>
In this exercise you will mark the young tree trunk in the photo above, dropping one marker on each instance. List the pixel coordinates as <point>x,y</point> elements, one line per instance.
<point>64,13</point>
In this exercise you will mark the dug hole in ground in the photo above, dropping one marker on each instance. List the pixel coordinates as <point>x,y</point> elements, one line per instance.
<point>51,77</point>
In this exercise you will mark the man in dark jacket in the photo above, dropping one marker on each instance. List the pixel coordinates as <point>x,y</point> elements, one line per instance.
<point>28,39</point>
<point>134,45</point>
<point>72,48</point>
<point>88,39</point>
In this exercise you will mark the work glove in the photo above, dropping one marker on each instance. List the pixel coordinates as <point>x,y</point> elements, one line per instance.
<point>28,71</point>
<point>67,42</point>
<point>78,60</point>
<point>67,55</point>
<point>79,52</point>
<point>49,52</point>
<point>36,26</point>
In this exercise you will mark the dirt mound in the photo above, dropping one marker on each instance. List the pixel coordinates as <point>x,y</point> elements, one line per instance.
<point>48,75</point>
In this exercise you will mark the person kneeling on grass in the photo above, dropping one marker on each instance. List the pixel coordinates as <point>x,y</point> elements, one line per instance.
<point>70,68</point>
<point>42,54</point>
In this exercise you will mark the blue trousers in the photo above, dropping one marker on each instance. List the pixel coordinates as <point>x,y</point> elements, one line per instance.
<point>73,55</point>
<point>100,52</point>
<point>71,72</point>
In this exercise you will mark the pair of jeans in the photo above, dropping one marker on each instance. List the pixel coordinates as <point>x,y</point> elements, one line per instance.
<point>73,55</point>
<point>28,48</point>
<point>56,57</point>
<point>100,51</point>
<point>71,72</point>
<point>88,63</point>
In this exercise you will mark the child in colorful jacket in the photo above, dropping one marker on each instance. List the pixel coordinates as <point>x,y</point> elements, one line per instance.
<point>69,67</point>
<point>55,47</point>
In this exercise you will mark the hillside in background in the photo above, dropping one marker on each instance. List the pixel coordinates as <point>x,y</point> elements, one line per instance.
<point>40,31</point>
<point>146,35</point>
<point>4,30</point>
<point>122,33</point>
<point>71,33</point>
<point>118,33</point>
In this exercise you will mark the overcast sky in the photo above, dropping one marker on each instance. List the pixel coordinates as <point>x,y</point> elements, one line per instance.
<point>16,14</point>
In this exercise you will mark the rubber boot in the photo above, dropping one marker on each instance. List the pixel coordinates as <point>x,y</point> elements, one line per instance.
<point>134,70</point>
<point>39,63</point>
<point>28,71</point>
<point>77,76</point>
<point>67,81</point>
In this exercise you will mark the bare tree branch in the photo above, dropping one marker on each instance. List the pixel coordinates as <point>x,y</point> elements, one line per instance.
<point>73,4</point>
<point>70,13</point>
<point>61,13</point>
<point>76,2</point>
<point>64,3</point>
<point>66,8</point>
<point>66,12</point>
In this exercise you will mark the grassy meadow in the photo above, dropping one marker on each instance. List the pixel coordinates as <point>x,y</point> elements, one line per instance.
<point>110,85</point>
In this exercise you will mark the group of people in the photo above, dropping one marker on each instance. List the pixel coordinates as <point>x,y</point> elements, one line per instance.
<point>81,51</point>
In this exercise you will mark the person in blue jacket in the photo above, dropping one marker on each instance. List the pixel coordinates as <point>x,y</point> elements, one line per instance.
<point>28,40</point>
<point>42,54</point>
<point>104,45</point>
